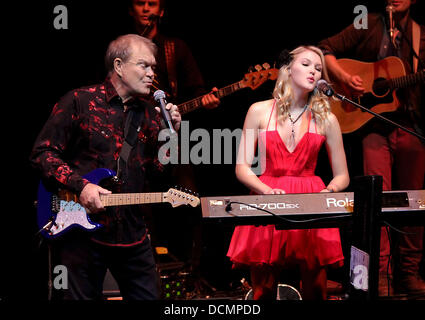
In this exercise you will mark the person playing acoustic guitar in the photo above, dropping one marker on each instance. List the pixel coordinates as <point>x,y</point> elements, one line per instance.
<point>87,130</point>
<point>396,155</point>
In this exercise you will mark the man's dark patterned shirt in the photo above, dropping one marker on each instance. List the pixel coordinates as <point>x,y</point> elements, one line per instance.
<point>85,132</point>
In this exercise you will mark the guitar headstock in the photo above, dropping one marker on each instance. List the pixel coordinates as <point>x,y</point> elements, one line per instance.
<point>256,78</point>
<point>177,198</point>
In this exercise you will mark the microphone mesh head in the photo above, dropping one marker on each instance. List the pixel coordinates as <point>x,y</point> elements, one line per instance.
<point>158,95</point>
<point>321,83</point>
<point>323,86</point>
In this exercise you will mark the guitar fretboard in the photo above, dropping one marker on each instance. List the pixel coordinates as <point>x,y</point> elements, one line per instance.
<point>406,81</point>
<point>197,102</point>
<point>119,199</point>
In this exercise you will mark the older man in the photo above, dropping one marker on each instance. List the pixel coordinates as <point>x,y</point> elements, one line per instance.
<point>85,131</point>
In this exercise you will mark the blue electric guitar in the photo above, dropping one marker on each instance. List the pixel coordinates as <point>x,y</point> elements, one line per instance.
<point>60,212</point>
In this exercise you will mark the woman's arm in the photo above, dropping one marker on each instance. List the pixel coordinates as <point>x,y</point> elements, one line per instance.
<point>247,148</point>
<point>336,154</point>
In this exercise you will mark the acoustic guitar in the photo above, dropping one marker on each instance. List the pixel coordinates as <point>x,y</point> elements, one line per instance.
<point>381,79</point>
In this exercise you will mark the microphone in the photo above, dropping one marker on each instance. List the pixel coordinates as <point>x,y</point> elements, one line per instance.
<point>323,86</point>
<point>159,96</point>
<point>390,9</point>
<point>148,27</point>
<point>153,16</point>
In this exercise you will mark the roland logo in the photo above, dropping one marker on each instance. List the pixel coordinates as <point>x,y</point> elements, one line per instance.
<point>339,203</point>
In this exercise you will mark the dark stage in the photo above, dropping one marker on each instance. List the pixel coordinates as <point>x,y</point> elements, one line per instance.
<point>226,38</point>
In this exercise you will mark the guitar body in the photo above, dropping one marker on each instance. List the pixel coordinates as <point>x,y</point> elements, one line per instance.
<point>66,212</point>
<point>59,212</point>
<point>378,98</point>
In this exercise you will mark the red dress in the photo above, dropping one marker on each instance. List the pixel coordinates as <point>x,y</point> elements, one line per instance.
<point>294,173</point>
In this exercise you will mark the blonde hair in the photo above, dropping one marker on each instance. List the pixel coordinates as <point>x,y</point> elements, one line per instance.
<point>283,92</point>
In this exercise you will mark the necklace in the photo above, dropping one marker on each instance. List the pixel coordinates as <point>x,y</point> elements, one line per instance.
<point>293,121</point>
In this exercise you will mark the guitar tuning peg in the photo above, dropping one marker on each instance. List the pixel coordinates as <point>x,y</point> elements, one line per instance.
<point>258,67</point>
<point>251,69</point>
<point>266,66</point>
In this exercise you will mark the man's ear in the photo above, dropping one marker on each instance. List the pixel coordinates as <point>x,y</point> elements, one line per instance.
<point>118,64</point>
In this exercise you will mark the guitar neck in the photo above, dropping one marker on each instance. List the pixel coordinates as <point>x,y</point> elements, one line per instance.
<point>408,80</point>
<point>120,199</point>
<point>197,102</point>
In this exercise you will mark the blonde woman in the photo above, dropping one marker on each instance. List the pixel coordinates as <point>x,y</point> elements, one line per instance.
<point>291,129</point>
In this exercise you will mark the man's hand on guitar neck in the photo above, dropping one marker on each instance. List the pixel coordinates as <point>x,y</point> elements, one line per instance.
<point>210,101</point>
<point>90,197</point>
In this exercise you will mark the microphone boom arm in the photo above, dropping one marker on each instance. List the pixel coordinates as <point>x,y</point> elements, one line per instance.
<point>377,115</point>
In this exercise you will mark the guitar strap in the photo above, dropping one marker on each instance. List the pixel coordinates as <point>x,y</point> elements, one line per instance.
<point>416,35</point>
<point>169,46</point>
<point>131,128</point>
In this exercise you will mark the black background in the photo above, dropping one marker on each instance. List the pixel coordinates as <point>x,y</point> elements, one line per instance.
<point>226,38</point>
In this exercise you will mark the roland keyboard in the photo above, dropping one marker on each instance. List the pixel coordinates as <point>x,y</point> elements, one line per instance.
<point>260,209</point>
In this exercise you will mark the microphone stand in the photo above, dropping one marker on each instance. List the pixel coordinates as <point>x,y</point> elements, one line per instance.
<point>377,115</point>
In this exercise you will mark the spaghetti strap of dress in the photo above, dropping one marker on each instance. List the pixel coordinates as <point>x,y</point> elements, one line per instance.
<point>271,112</point>
<point>315,125</point>
<point>309,121</point>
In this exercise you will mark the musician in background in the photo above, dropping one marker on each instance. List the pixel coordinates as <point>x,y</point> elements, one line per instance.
<point>291,129</point>
<point>396,155</point>
<point>85,131</point>
<point>177,73</point>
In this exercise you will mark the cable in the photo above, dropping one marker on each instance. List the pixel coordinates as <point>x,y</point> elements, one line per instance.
<point>398,230</point>
<point>49,276</point>
<point>229,208</point>
<point>390,257</point>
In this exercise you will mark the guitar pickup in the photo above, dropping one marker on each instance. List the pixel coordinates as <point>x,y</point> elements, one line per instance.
<point>55,204</point>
